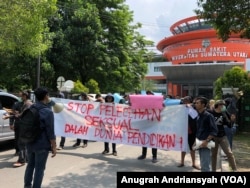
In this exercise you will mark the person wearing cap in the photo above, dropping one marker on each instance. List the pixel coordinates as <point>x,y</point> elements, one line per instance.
<point>205,132</point>
<point>84,97</point>
<point>109,99</point>
<point>220,139</point>
<point>191,132</point>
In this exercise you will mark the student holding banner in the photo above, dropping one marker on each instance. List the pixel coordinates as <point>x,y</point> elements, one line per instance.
<point>192,115</point>
<point>84,97</point>
<point>109,99</point>
<point>144,149</point>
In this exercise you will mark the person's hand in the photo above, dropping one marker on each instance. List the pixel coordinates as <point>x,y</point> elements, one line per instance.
<point>204,144</point>
<point>8,110</point>
<point>6,116</point>
<point>53,152</point>
<point>12,127</point>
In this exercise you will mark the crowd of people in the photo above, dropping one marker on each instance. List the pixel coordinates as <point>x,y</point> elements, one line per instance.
<point>213,123</point>
<point>35,154</point>
<point>208,121</point>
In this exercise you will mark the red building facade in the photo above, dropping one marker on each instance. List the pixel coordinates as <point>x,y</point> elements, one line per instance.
<point>199,57</point>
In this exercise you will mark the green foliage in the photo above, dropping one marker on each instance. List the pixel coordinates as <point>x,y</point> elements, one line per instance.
<point>83,40</point>
<point>246,87</point>
<point>147,85</point>
<point>227,17</point>
<point>218,88</point>
<point>48,74</point>
<point>101,44</point>
<point>93,86</point>
<point>23,26</point>
<point>79,87</point>
<point>236,77</point>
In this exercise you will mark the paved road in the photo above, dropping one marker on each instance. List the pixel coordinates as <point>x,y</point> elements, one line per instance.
<point>87,167</point>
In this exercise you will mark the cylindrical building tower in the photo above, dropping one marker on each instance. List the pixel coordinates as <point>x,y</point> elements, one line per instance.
<point>199,57</point>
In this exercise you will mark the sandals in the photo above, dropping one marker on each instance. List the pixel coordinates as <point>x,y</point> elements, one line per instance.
<point>196,167</point>
<point>17,164</point>
<point>180,165</point>
<point>105,152</point>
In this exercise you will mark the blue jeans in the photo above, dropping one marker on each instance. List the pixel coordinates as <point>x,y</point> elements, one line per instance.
<point>205,159</point>
<point>230,132</point>
<point>36,162</point>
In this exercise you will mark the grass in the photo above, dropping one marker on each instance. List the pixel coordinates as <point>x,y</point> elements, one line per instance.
<point>241,150</point>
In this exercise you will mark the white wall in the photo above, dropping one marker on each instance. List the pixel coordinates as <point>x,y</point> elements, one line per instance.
<point>152,65</point>
<point>247,64</point>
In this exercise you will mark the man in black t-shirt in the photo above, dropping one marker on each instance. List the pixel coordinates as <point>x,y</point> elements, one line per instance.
<point>220,139</point>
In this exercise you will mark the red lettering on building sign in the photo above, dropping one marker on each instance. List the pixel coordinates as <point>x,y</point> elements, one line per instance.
<point>83,130</point>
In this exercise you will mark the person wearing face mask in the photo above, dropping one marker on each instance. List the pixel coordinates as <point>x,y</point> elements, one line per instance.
<point>14,119</point>
<point>221,119</point>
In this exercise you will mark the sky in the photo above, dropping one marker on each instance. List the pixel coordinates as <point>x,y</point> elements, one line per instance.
<point>157,16</point>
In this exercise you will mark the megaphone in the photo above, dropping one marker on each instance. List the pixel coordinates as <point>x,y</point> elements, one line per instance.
<point>57,108</point>
<point>211,144</point>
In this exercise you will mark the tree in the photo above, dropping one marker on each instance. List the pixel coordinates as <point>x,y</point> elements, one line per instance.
<point>79,87</point>
<point>91,39</point>
<point>93,86</point>
<point>96,40</point>
<point>25,36</point>
<point>23,25</point>
<point>147,85</point>
<point>227,17</point>
<point>236,77</point>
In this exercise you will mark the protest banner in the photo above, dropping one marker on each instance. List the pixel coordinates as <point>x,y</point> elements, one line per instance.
<point>164,128</point>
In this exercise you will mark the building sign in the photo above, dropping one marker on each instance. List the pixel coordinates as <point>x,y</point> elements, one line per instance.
<point>206,43</point>
<point>209,52</point>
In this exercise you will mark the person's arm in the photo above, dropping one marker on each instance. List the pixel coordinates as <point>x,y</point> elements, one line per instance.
<point>51,132</point>
<point>213,131</point>
<point>53,147</point>
<point>226,119</point>
<point>13,115</point>
<point>213,128</point>
<point>52,137</point>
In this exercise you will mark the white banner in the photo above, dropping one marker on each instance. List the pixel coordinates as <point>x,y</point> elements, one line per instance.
<point>117,123</point>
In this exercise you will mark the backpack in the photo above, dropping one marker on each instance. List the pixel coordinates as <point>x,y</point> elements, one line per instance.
<point>29,125</point>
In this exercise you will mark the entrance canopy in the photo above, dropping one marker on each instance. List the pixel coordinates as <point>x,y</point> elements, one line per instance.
<point>196,73</point>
